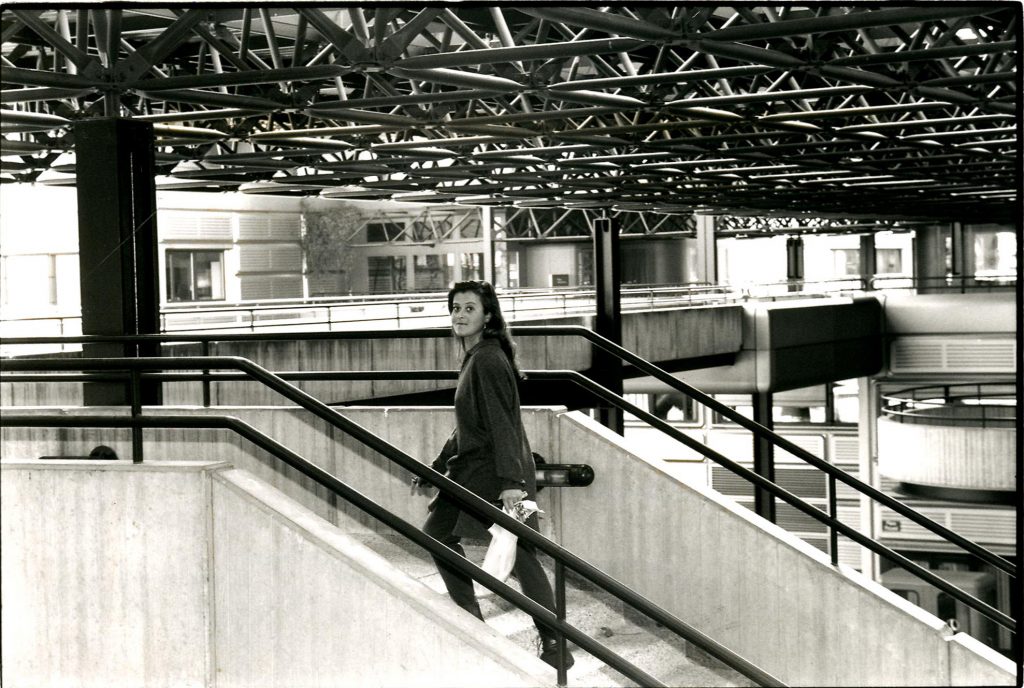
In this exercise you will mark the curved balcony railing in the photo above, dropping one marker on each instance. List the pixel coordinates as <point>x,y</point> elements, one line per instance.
<point>984,404</point>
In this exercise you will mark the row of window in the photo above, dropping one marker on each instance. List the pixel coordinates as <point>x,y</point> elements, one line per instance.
<point>199,275</point>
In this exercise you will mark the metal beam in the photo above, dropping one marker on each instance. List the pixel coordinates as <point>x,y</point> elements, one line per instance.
<point>840,22</point>
<point>345,43</point>
<point>764,455</point>
<point>242,78</point>
<point>88,66</point>
<point>607,369</point>
<point>154,52</point>
<point>469,58</point>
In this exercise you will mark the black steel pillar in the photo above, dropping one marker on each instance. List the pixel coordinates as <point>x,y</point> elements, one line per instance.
<point>764,455</point>
<point>607,368</point>
<point>868,262</point>
<point>117,244</point>
<point>958,255</point>
<point>795,263</point>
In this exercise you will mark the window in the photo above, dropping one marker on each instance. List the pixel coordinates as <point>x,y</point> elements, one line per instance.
<point>386,274</point>
<point>888,261</point>
<point>513,269</point>
<point>995,254</point>
<point>195,275</point>
<point>433,272</point>
<point>584,266</point>
<point>383,231</point>
<point>472,266</point>
<point>847,261</point>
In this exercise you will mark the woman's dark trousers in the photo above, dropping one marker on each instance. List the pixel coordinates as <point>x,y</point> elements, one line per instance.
<point>534,582</point>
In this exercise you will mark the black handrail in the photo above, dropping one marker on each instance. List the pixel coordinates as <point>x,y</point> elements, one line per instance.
<point>828,519</point>
<point>462,496</point>
<point>353,496</point>
<point>764,433</point>
<point>625,355</point>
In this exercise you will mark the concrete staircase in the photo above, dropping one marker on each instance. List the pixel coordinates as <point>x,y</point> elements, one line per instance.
<point>646,644</point>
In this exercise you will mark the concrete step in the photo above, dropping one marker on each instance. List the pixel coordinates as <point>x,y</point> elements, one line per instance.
<point>646,644</point>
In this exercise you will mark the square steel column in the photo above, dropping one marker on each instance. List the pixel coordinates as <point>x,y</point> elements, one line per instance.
<point>868,262</point>
<point>707,250</point>
<point>607,368</point>
<point>764,455</point>
<point>958,255</point>
<point>117,244</point>
<point>795,263</point>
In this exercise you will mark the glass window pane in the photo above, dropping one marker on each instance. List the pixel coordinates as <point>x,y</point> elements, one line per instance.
<point>430,272</point>
<point>383,231</point>
<point>995,253</point>
<point>179,276</point>
<point>847,261</point>
<point>195,275</point>
<point>888,261</point>
<point>472,266</point>
<point>386,274</point>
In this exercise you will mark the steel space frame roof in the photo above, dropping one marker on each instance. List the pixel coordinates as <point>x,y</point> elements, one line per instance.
<point>857,114</point>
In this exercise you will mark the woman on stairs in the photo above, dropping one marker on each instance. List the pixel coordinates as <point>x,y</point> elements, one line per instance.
<point>488,452</point>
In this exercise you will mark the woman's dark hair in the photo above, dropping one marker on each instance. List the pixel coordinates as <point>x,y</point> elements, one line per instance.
<point>496,327</point>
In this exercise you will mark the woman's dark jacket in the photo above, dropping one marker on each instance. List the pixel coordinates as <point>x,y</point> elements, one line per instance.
<point>488,452</point>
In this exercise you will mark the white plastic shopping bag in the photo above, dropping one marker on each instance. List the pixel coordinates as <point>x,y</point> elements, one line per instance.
<point>501,553</point>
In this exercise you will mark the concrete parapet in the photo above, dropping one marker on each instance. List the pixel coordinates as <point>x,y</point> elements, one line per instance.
<point>195,574</point>
<point>747,583</point>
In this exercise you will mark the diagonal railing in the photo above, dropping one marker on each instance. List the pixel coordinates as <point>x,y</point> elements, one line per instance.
<point>833,473</point>
<point>466,499</point>
<point>827,519</point>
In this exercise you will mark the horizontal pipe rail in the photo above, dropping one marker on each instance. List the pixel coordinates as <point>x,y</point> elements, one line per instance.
<point>465,498</point>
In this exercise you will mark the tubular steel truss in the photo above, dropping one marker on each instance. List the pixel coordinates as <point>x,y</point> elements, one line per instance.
<point>884,112</point>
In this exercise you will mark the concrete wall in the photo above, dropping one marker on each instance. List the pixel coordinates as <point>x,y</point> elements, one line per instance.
<point>948,456</point>
<point>748,584</point>
<point>105,573</point>
<point>420,432</point>
<point>194,574</point>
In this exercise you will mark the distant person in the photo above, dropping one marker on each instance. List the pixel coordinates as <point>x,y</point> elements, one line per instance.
<point>488,452</point>
<point>102,452</point>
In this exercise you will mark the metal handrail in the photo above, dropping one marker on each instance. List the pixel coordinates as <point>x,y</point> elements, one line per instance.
<point>461,495</point>
<point>828,519</point>
<point>623,354</point>
<point>362,502</point>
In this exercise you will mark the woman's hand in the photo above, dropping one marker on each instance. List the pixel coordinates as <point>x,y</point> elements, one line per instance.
<point>509,498</point>
<point>420,486</point>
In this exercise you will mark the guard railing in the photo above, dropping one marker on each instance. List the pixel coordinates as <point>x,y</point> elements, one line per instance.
<point>467,500</point>
<point>834,474</point>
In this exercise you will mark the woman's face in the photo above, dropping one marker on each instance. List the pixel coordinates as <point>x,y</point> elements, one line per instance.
<point>468,317</point>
